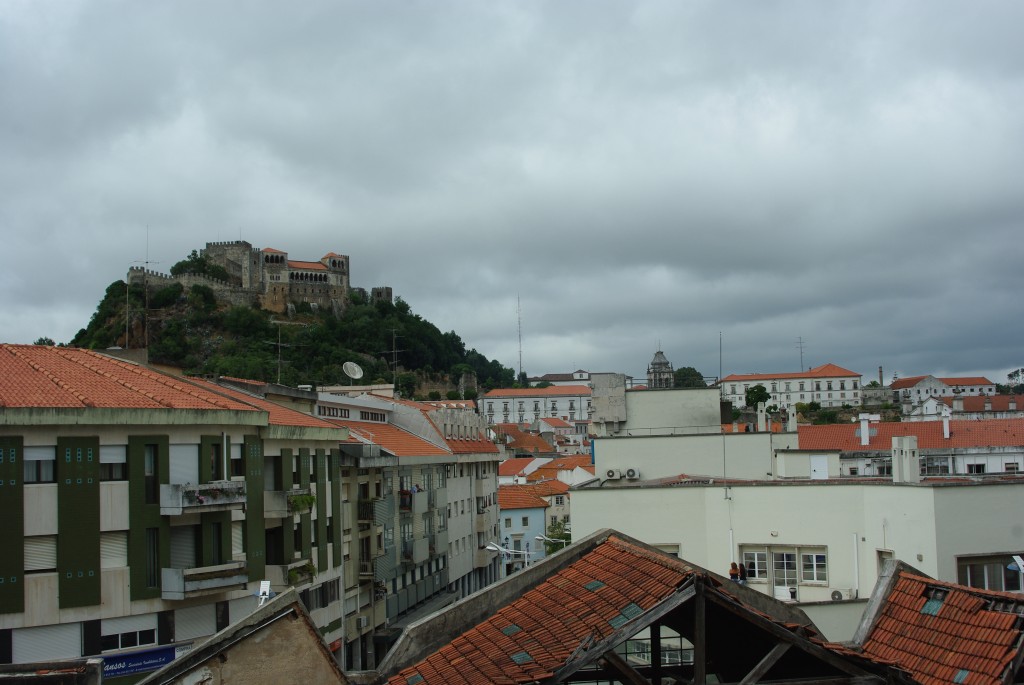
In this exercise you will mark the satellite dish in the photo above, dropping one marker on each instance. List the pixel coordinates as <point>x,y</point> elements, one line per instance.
<point>352,370</point>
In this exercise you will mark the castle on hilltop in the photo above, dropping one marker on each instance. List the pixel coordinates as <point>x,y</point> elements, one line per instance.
<point>268,279</point>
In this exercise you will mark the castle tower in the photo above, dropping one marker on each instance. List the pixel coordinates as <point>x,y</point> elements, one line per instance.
<point>660,373</point>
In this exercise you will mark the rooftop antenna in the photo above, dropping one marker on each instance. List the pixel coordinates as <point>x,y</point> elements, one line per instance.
<point>394,355</point>
<point>800,346</point>
<point>145,290</point>
<point>280,344</point>
<point>519,319</point>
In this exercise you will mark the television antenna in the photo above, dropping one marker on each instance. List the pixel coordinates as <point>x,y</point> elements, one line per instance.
<point>353,371</point>
<point>280,344</point>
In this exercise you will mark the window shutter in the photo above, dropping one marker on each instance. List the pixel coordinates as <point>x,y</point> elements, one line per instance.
<point>114,549</point>
<point>41,553</point>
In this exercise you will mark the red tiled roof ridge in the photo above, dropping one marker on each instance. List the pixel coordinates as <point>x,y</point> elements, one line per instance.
<point>658,558</point>
<point>823,371</point>
<point>49,376</point>
<point>167,381</point>
<point>1015,597</point>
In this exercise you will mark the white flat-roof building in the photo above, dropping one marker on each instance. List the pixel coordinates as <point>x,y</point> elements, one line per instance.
<point>828,384</point>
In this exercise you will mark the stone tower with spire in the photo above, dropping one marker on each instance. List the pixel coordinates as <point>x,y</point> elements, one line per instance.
<point>660,373</point>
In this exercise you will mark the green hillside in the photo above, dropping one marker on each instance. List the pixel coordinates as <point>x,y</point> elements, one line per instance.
<point>192,330</point>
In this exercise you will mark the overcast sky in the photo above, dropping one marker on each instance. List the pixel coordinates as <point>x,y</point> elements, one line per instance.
<point>636,174</point>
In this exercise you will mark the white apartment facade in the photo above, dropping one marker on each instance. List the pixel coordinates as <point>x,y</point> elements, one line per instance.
<point>828,384</point>
<point>527,405</point>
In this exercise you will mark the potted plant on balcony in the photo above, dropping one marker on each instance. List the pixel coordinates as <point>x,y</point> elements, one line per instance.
<point>301,574</point>
<point>298,503</point>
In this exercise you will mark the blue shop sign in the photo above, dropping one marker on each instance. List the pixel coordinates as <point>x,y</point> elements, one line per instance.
<point>117,665</point>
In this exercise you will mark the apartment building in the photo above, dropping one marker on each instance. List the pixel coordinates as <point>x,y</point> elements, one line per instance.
<point>143,510</point>
<point>527,405</point>
<point>828,384</point>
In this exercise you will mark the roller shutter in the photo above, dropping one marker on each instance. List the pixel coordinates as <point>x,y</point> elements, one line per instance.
<point>183,546</point>
<point>184,466</point>
<point>46,643</point>
<point>41,553</point>
<point>114,549</point>
<point>195,622</point>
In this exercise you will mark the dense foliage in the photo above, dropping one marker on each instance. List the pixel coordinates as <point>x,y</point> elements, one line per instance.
<point>189,330</point>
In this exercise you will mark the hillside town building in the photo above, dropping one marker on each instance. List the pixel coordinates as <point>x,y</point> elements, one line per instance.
<point>527,405</point>
<point>828,384</point>
<point>918,388</point>
<point>144,512</point>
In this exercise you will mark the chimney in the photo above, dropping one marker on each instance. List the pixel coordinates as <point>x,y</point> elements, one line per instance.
<point>880,381</point>
<point>1013,403</point>
<point>865,430</point>
<point>988,403</point>
<point>908,405</point>
<point>958,403</point>
<point>945,424</point>
<point>791,419</point>
<point>761,428</point>
<point>906,467</point>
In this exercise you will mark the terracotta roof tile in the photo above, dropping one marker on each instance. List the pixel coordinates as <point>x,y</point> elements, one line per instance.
<point>935,639</point>
<point>846,436</point>
<point>823,371</point>
<point>36,376</point>
<point>531,638</point>
<point>277,415</point>
<point>519,497</point>
<point>552,391</point>
<point>911,381</point>
<point>309,266</point>
<point>514,467</point>
<point>976,403</point>
<point>398,442</point>
<point>523,441</point>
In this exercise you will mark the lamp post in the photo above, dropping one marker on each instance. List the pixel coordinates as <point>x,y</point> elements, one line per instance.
<point>545,538</point>
<point>494,547</point>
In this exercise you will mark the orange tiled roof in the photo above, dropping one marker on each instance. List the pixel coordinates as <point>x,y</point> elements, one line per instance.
<point>911,381</point>
<point>960,639</point>
<point>474,445</point>
<point>846,436</point>
<point>277,414</point>
<point>976,403</point>
<point>519,497</point>
<point>523,441</point>
<point>37,376</point>
<point>552,391</point>
<point>513,467</point>
<point>272,250</point>
<point>556,422</point>
<point>547,488</point>
<point>823,371</point>
<point>398,442</point>
<point>532,637</point>
<point>309,266</point>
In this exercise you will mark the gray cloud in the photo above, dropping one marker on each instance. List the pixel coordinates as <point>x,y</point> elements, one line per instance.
<point>846,173</point>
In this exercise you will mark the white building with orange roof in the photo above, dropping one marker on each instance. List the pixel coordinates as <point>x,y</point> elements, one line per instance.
<point>144,512</point>
<point>911,391</point>
<point>526,405</point>
<point>968,408</point>
<point>523,519</point>
<point>828,384</point>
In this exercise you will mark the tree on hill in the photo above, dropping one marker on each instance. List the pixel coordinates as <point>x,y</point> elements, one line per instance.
<point>755,394</point>
<point>689,377</point>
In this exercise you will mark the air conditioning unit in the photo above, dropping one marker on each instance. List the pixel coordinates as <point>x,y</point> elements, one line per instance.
<point>613,474</point>
<point>362,622</point>
<point>844,593</point>
<point>632,474</point>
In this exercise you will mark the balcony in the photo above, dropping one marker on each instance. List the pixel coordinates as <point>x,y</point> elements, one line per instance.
<point>438,543</point>
<point>185,583</point>
<point>483,521</point>
<point>279,504</point>
<point>415,503</point>
<point>483,557</point>
<point>438,498</point>
<point>185,498</point>
<point>377,511</point>
<point>415,551</point>
<point>299,572</point>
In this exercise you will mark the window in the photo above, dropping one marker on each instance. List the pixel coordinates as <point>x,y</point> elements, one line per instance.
<point>732,389</point>
<point>559,500</point>
<point>842,385</point>
<point>39,464</point>
<point>152,477</point>
<point>975,468</point>
<point>1011,467</point>
<point>152,557</point>
<point>508,522</point>
<point>787,386</point>
<point>757,565</point>
<point>39,471</point>
<point>372,416</point>
<point>126,640</point>
<point>801,387</point>
<point>817,385</point>
<point>813,567</point>
<point>854,471</point>
<point>934,466</point>
<point>554,520</point>
<point>997,572</point>
<point>526,521</point>
<point>855,385</point>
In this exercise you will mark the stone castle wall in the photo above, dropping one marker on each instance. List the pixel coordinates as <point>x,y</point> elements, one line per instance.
<point>267,279</point>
